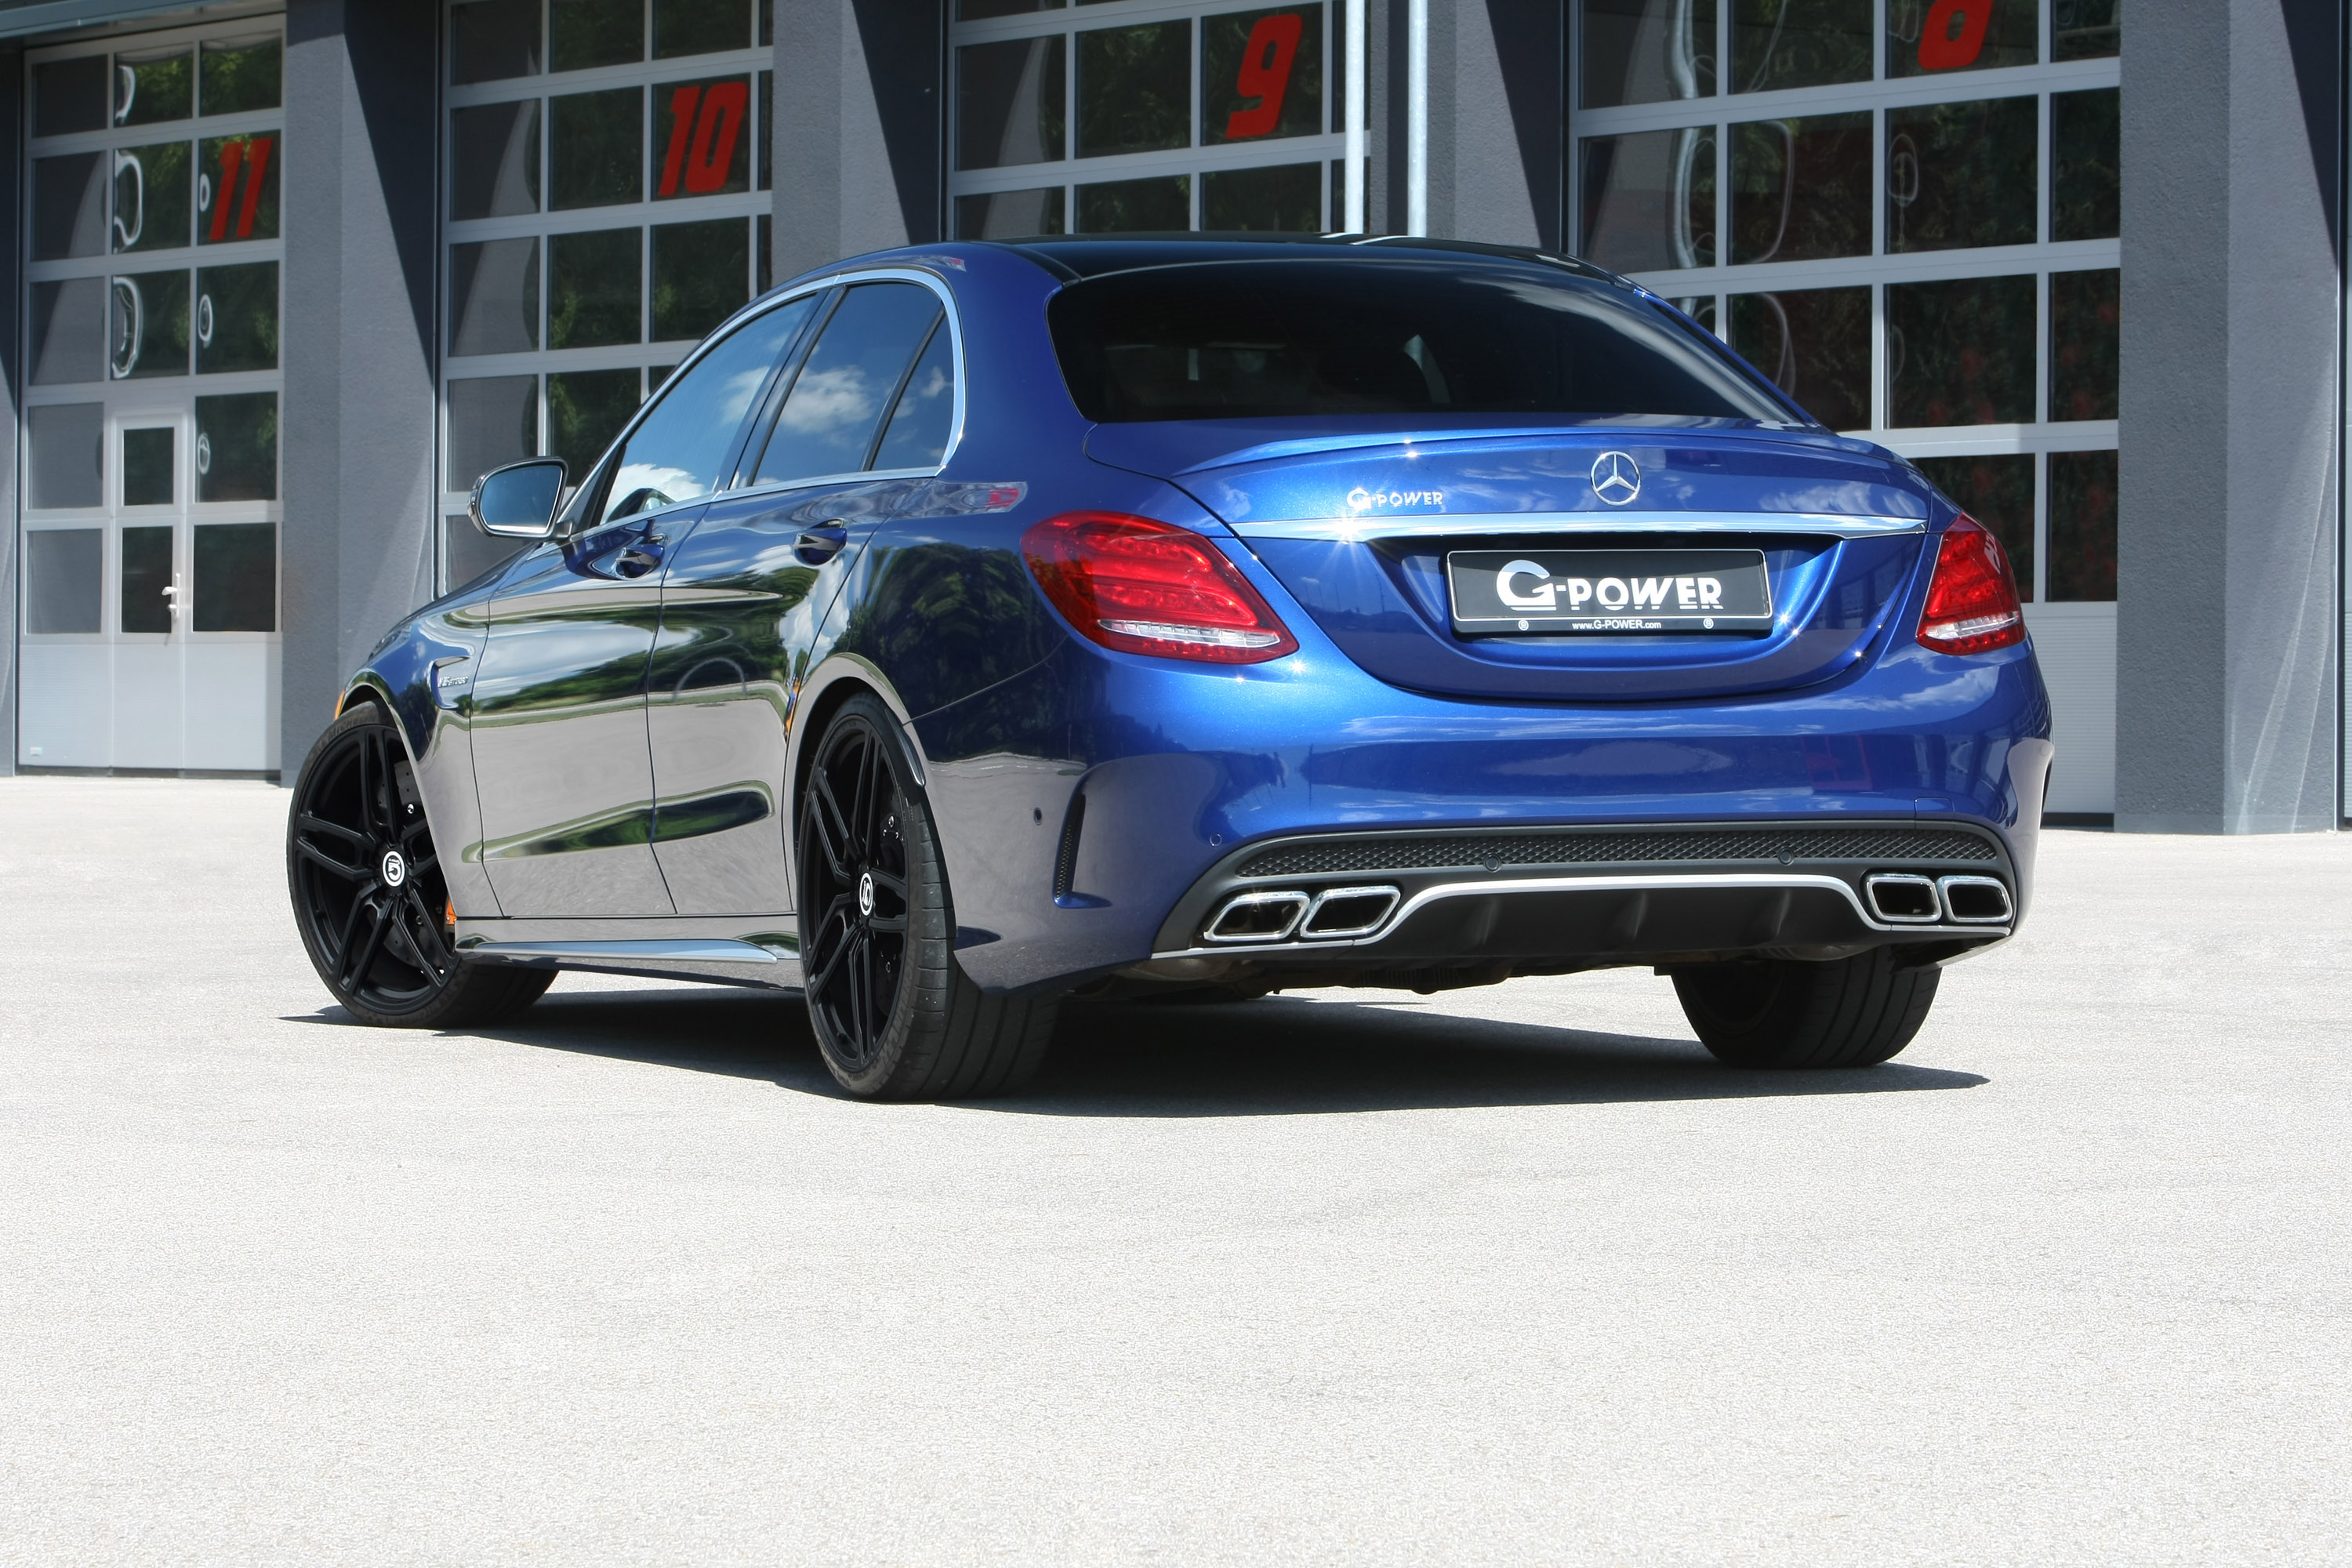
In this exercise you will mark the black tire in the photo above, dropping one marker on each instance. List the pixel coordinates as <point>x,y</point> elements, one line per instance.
<point>893,1012</point>
<point>1779,1012</point>
<point>376,932</point>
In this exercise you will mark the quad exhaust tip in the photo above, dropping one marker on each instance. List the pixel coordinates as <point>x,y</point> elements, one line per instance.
<point>1285,915</point>
<point>1905,898</point>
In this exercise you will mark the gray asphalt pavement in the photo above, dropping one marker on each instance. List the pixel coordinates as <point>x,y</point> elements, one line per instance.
<point>1498,1277</point>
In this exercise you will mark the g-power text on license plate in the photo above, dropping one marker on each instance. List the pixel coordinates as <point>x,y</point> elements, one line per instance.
<point>1511,590</point>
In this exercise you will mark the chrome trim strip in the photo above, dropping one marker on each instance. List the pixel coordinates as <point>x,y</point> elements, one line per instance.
<point>1573,522</point>
<point>1756,880</point>
<point>677,950</point>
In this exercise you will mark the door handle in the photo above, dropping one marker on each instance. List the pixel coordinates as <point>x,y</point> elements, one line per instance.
<point>821,544</point>
<point>641,557</point>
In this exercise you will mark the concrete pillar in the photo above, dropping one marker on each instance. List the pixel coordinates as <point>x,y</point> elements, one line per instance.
<point>2227,596</point>
<point>357,426</point>
<point>1497,75</point>
<point>861,91</point>
<point>12,285</point>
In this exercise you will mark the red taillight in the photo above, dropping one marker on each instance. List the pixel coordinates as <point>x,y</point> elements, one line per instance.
<point>1972,604</point>
<point>1142,586</point>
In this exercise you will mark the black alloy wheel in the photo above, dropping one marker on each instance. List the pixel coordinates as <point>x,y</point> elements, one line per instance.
<point>894,1014</point>
<point>369,895</point>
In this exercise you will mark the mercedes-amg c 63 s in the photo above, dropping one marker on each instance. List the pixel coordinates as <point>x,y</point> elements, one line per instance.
<point>969,626</point>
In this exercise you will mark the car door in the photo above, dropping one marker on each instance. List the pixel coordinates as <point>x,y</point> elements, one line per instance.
<point>861,420</point>
<point>561,756</point>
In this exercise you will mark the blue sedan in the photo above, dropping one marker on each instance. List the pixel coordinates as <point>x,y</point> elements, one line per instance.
<point>969,626</point>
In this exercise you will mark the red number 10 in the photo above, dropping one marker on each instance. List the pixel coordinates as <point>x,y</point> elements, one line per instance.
<point>707,160</point>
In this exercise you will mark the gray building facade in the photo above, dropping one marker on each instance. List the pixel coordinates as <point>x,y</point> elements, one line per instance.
<point>285,278</point>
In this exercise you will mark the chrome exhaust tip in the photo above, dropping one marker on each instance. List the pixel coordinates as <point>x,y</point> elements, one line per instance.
<point>1975,901</point>
<point>1903,898</point>
<point>1256,916</point>
<point>1348,911</point>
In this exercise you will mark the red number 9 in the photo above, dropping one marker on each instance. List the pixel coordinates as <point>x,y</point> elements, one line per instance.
<point>1264,75</point>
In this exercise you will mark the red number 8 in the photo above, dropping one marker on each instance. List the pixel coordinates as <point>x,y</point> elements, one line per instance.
<point>1264,75</point>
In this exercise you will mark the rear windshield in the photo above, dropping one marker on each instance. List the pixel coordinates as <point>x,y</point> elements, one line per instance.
<point>1244,339</point>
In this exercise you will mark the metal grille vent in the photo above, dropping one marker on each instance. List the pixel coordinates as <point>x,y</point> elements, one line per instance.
<point>1778,845</point>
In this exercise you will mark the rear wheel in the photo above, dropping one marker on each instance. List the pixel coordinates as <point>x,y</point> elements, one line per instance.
<point>369,897</point>
<point>893,1012</point>
<point>1780,1012</point>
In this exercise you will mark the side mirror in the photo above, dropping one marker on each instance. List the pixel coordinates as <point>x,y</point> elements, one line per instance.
<point>519,501</point>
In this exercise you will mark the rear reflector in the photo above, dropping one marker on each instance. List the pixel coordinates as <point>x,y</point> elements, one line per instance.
<point>1972,605</point>
<point>1142,586</point>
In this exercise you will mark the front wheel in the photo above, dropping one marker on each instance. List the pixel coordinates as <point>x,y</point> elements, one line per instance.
<point>369,897</point>
<point>1787,1012</point>
<point>893,1012</point>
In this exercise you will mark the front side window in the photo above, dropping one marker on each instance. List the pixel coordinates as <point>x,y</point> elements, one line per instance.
<point>676,454</point>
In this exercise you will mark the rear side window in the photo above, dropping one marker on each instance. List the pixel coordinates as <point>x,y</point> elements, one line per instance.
<point>675,455</point>
<point>1240,339</point>
<point>832,419</point>
<point>916,434</point>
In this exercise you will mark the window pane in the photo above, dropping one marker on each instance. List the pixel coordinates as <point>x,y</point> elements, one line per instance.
<point>841,393</point>
<point>62,586</point>
<point>242,74</point>
<point>764,255</point>
<point>596,148</point>
<point>493,421</point>
<point>237,576</point>
<point>1815,345</point>
<point>1647,51</point>
<point>152,197</point>
<point>701,275</point>
<point>1924,37</point>
<point>152,86</point>
<point>491,39</point>
<point>69,321</point>
<point>1961,175</point>
<point>1134,87</point>
<point>1010,214</point>
<point>65,442</point>
<point>1262,75</point>
<point>69,95</point>
<point>2085,181</point>
<point>704,148</point>
<point>1801,188</point>
<point>763,141</point>
<point>676,454</point>
<point>145,609</point>
<point>1287,198</point>
<point>2082,526</point>
<point>236,318</point>
<point>236,188</point>
<point>1799,43</point>
<point>69,206</point>
<point>494,297</point>
<point>917,435</point>
<point>981,10</point>
<point>147,333</point>
<point>2085,344</point>
<point>584,33</point>
<point>148,458</point>
<point>585,410</point>
<point>1009,102</point>
<point>494,160</point>
<point>1997,491</point>
<point>236,449</point>
<point>2085,29</point>
<point>594,288</point>
<point>1649,199</point>
<point>1136,206</point>
<point>700,26</point>
<point>1960,352</point>
<point>1699,308</point>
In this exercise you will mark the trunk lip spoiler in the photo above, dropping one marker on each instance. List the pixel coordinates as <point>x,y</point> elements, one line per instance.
<point>1717,524</point>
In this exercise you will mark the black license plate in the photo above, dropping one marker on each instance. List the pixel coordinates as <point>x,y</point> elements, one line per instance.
<point>1508,591</point>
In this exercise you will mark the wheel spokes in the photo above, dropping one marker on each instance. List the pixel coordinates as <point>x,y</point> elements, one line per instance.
<point>353,974</point>
<point>326,862</point>
<point>308,823</point>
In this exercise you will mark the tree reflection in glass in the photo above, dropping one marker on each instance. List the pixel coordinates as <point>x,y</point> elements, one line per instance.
<point>1961,175</point>
<point>1801,188</point>
<point>1779,44</point>
<point>1815,345</point>
<point>1961,352</point>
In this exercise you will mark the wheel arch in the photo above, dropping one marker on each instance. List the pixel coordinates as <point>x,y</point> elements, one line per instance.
<point>834,682</point>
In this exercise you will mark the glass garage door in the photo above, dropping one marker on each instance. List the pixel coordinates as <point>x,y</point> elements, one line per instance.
<point>1141,116</point>
<point>150,503</point>
<point>606,180</point>
<point>1905,212</point>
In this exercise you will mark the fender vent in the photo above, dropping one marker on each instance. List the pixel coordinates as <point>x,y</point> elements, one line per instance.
<point>1066,860</point>
<point>1773,846</point>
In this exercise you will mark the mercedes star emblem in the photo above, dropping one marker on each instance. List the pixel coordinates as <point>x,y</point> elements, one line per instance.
<point>395,869</point>
<point>1616,478</point>
<point>865,894</point>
